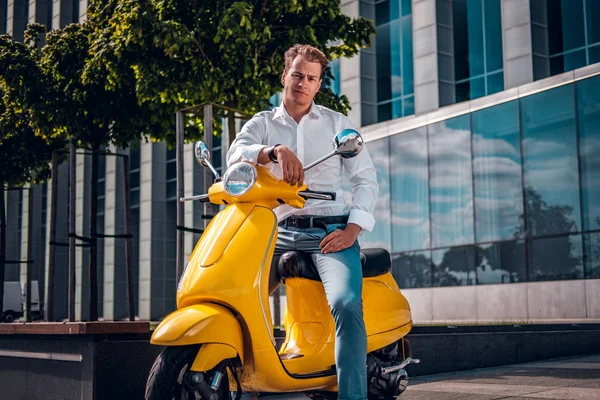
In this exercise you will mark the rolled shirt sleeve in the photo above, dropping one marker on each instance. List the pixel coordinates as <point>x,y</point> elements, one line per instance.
<point>249,142</point>
<point>365,189</point>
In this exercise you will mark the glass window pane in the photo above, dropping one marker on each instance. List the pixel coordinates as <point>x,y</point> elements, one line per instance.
<point>493,35</point>
<point>572,24</point>
<point>410,191</point>
<point>594,54</point>
<point>461,38</point>
<point>384,112</point>
<point>454,266</point>
<point>591,243</point>
<point>477,88</point>
<point>463,91</point>
<point>381,234</point>
<point>539,39</point>
<point>384,63</point>
<point>171,170</point>
<point>409,105</point>
<point>135,179</point>
<point>382,12</point>
<point>495,83</point>
<point>541,67</point>
<point>575,60</point>
<point>501,263</point>
<point>497,173</point>
<point>550,162</point>
<point>412,270</point>
<point>475,37</point>
<point>406,7</point>
<point>592,13</point>
<point>450,182</point>
<point>408,86</point>
<point>557,258</point>
<point>588,113</point>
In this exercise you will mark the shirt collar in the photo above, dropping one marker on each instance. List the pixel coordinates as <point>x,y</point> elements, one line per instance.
<point>281,112</point>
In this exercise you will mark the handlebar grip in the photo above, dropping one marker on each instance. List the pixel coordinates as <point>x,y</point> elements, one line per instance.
<point>314,194</point>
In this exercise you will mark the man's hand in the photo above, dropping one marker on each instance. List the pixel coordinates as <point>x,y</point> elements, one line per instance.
<point>339,240</point>
<point>293,172</point>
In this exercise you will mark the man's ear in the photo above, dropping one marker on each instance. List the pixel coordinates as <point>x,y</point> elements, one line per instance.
<point>283,77</point>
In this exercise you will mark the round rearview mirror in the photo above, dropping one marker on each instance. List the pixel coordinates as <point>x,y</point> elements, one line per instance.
<point>348,143</point>
<point>202,154</point>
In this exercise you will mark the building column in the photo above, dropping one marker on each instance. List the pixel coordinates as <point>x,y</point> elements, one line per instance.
<point>37,267</point>
<point>13,238</point>
<point>61,253</point>
<point>16,18</point>
<point>112,218</point>
<point>193,177</point>
<point>62,13</point>
<point>350,70</point>
<point>425,55</point>
<point>82,10</point>
<point>152,231</point>
<point>517,50</point>
<point>38,11</point>
<point>82,228</point>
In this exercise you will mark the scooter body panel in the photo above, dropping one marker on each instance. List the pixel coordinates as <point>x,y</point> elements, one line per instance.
<point>310,328</point>
<point>200,323</point>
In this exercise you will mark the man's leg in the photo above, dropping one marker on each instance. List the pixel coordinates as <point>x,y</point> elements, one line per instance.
<point>341,274</point>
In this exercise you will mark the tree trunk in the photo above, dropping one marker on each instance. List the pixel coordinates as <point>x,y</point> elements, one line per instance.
<point>231,126</point>
<point>2,248</point>
<point>93,264</point>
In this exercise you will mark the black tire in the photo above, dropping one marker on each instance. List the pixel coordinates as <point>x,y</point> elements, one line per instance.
<point>165,381</point>
<point>9,317</point>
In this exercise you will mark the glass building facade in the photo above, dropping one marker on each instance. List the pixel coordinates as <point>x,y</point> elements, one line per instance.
<point>565,35</point>
<point>505,194</point>
<point>469,49</point>
<point>387,82</point>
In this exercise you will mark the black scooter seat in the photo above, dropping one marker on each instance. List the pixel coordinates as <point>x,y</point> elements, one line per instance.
<point>296,264</point>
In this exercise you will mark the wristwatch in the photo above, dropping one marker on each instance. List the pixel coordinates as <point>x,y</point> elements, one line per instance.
<point>271,153</point>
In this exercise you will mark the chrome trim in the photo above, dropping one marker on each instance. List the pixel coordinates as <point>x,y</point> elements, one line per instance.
<point>260,274</point>
<point>42,355</point>
<point>231,170</point>
<point>394,368</point>
<point>399,125</point>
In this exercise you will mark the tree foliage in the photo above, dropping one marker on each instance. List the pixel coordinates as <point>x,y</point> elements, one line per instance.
<point>26,146</point>
<point>188,52</point>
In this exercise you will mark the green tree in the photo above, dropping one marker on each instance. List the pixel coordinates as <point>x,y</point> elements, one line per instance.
<point>26,149</point>
<point>92,113</point>
<point>187,52</point>
<point>556,260</point>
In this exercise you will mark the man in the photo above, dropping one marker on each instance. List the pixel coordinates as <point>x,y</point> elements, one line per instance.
<point>296,133</point>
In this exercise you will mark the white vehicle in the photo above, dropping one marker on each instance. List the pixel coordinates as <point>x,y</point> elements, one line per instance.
<point>14,300</point>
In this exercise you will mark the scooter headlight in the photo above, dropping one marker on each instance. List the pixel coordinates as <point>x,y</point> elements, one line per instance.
<point>239,178</point>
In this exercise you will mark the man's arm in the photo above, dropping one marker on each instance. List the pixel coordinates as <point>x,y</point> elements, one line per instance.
<point>250,145</point>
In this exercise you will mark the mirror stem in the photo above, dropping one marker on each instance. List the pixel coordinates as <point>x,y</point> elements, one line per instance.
<point>320,160</point>
<point>214,171</point>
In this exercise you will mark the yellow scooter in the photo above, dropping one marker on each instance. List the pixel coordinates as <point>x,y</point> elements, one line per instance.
<point>221,335</point>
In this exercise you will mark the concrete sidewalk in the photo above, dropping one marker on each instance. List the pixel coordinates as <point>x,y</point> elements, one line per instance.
<point>573,378</point>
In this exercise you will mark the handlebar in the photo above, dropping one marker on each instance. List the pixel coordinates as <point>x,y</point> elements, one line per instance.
<point>313,194</point>
<point>202,198</point>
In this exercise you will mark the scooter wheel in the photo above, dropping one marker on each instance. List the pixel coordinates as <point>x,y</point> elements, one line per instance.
<point>170,376</point>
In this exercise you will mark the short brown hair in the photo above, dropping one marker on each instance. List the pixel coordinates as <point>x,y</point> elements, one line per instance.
<point>310,53</point>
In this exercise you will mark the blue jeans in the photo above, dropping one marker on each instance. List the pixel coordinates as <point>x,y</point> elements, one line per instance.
<point>341,274</point>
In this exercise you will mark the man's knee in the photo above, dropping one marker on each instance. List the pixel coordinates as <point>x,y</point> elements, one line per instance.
<point>347,305</point>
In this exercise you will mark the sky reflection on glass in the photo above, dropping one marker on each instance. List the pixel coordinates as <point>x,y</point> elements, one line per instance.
<point>451,188</point>
<point>497,172</point>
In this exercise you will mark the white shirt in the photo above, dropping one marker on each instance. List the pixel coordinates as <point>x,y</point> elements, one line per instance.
<point>310,140</point>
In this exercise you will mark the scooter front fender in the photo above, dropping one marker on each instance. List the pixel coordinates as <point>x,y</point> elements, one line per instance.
<point>206,324</point>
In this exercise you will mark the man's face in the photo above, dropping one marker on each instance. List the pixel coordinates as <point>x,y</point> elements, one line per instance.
<point>301,82</point>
